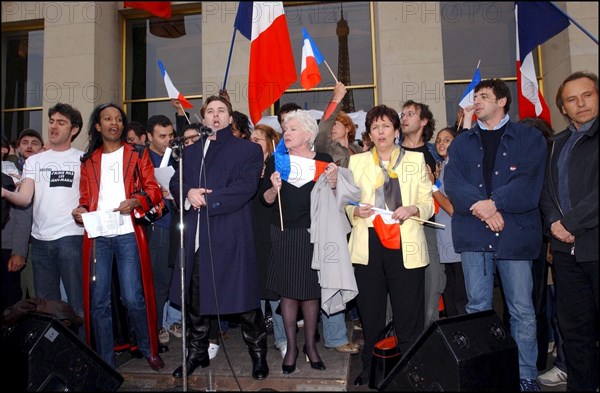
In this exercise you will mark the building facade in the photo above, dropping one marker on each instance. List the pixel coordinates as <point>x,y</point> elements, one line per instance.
<point>87,53</point>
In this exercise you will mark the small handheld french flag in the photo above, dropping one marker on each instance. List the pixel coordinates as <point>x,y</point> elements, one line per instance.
<point>311,58</point>
<point>469,94</point>
<point>296,170</point>
<point>172,90</point>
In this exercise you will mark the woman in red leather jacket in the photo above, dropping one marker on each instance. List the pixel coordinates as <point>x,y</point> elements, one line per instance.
<point>113,173</point>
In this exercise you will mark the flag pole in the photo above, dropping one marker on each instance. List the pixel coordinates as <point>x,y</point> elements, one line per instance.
<point>329,68</point>
<point>279,197</point>
<point>478,63</point>
<point>575,23</point>
<point>437,224</point>
<point>183,110</point>
<point>460,120</point>
<point>229,59</point>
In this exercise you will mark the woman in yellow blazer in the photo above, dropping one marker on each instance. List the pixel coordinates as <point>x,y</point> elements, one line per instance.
<point>395,180</point>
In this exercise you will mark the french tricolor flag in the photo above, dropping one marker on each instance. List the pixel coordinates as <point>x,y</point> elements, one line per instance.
<point>272,69</point>
<point>537,22</point>
<point>172,90</point>
<point>296,170</point>
<point>311,58</point>
<point>469,94</point>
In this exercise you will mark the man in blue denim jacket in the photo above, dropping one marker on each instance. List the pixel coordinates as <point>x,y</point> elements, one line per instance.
<point>494,178</point>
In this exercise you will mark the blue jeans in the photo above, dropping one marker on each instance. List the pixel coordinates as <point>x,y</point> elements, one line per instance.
<point>171,315</point>
<point>55,260</point>
<point>354,311</point>
<point>334,329</point>
<point>125,251</point>
<point>517,282</point>
<point>278,330</point>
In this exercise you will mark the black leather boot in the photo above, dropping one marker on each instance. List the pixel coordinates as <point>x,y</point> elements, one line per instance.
<point>197,346</point>
<point>197,334</point>
<point>254,332</point>
<point>260,368</point>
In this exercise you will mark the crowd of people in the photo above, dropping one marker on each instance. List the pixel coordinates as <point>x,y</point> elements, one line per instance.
<point>452,214</point>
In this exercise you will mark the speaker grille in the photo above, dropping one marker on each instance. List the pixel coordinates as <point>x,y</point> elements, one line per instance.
<point>466,353</point>
<point>50,357</point>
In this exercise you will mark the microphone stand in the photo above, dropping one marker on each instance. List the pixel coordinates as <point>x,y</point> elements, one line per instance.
<point>179,146</point>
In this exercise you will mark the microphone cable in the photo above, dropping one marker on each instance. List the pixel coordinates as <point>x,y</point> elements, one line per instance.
<point>211,260</point>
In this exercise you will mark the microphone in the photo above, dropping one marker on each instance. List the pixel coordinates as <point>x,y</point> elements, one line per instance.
<point>203,131</point>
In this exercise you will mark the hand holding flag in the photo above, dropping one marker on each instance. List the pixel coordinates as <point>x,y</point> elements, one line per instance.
<point>297,170</point>
<point>387,215</point>
<point>171,89</point>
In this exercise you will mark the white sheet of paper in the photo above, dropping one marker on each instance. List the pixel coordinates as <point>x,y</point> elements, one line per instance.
<point>165,160</point>
<point>102,223</point>
<point>163,176</point>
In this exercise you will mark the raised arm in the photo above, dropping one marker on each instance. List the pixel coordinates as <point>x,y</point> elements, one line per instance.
<point>23,196</point>
<point>323,139</point>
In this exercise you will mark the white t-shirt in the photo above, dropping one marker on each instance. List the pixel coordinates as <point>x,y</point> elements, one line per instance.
<point>56,176</point>
<point>112,187</point>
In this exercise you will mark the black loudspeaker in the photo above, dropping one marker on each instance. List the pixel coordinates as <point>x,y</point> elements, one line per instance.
<point>465,353</point>
<point>44,355</point>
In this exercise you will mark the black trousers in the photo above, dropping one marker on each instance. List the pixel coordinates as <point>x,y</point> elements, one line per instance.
<point>539,272</point>
<point>577,309</point>
<point>455,293</point>
<point>10,283</point>
<point>386,275</point>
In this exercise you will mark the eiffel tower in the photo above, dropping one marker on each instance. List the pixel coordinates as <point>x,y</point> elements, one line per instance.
<point>342,32</point>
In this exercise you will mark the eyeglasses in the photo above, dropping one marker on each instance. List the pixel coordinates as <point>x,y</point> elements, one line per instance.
<point>407,114</point>
<point>255,139</point>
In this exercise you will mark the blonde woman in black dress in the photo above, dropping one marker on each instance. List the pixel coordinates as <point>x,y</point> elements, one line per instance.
<point>290,273</point>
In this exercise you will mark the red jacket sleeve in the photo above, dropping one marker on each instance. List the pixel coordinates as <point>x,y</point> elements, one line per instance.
<point>148,183</point>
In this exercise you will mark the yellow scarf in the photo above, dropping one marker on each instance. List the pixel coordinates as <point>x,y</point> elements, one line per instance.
<point>395,158</point>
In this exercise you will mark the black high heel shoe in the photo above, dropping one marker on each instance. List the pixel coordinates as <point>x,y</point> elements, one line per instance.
<point>292,367</point>
<point>316,365</point>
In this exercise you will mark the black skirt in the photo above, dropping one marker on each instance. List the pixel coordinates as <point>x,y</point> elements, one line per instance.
<point>290,274</point>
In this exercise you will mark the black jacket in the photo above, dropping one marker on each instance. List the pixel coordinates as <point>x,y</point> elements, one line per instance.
<point>582,219</point>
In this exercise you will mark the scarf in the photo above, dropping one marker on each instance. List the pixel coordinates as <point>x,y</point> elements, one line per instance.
<point>387,193</point>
